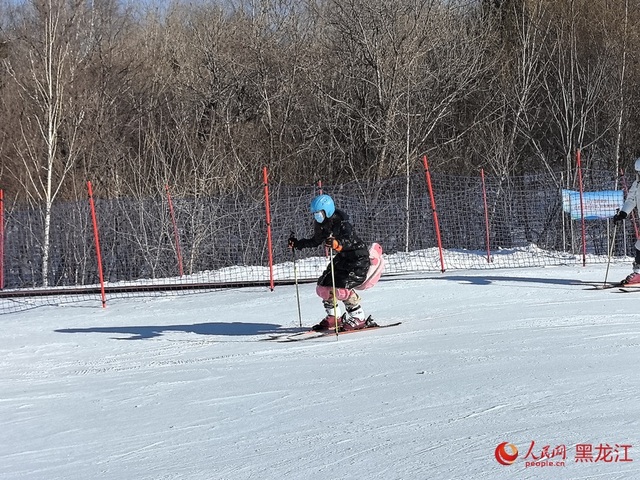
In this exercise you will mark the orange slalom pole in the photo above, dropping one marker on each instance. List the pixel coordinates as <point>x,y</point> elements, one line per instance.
<point>435,212</point>
<point>1,239</point>
<point>268,210</point>
<point>175,232</point>
<point>584,228</point>
<point>97,241</point>
<point>486,216</point>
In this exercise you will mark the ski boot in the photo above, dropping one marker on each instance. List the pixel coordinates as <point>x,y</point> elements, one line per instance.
<point>354,319</point>
<point>632,278</point>
<point>329,322</point>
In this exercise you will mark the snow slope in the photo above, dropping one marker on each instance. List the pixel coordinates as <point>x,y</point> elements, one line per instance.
<point>182,387</point>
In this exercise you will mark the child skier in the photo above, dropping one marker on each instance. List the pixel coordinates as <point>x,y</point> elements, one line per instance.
<point>632,201</point>
<point>350,265</point>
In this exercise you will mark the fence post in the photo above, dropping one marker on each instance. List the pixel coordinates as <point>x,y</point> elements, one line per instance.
<point>1,239</point>
<point>486,216</point>
<point>268,211</point>
<point>175,232</point>
<point>582,221</point>
<point>435,212</point>
<point>97,242</point>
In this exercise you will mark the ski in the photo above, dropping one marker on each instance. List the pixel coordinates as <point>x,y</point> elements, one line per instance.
<point>620,286</point>
<point>309,334</point>
<point>280,336</point>
<point>607,286</point>
<point>629,289</point>
<point>304,333</point>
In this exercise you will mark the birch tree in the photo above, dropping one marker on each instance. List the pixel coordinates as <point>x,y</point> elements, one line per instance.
<point>48,51</point>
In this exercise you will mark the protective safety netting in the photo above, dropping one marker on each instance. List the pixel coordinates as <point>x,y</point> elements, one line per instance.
<point>175,244</point>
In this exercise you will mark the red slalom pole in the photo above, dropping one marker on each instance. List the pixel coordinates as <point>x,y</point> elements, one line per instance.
<point>435,212</point>
<point>584,229</point>
<point>265,177</point>
<point>175,232</point>
<point>486,215</point>
<point>97,241</point>
<point>1,239</point>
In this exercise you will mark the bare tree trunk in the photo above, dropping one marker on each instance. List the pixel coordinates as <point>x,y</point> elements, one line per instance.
<point>621,94</point>
<point>54,58</point>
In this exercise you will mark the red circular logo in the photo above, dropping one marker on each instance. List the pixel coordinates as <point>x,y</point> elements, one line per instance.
<point>505,457</point>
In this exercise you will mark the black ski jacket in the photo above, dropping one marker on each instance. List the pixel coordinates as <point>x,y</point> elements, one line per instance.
<point>352,262</point>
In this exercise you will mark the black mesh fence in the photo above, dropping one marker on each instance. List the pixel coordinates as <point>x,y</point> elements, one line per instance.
<point>222,240</point>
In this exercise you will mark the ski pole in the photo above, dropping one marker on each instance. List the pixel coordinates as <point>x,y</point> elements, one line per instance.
<point>333,290</point>
<point>295,280</point>
<point>613,242</point>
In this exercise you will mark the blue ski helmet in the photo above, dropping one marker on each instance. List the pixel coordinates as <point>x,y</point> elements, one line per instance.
<point>322,207</point>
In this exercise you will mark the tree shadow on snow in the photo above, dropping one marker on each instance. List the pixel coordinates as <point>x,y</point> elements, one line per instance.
<point>143,332</point>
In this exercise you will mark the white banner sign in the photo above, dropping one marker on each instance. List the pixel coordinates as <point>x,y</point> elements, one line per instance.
<point>597,205</point>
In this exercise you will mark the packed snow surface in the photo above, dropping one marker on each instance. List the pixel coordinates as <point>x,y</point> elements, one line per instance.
<point>185,387</point>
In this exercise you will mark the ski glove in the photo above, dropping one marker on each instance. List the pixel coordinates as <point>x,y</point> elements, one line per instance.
<point>292,242</point>
<point>333,243</point>
<point>621,215</point>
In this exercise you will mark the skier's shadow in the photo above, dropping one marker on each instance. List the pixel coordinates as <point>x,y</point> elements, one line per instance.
<point>142,332</point>
<point>486,280</point>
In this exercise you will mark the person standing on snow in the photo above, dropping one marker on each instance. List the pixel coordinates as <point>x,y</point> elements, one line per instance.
<point>350,265</point>
<point>632,201</point>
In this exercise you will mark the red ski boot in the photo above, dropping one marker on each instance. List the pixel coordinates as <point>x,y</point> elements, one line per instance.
<point>328,323</point>
<point>632,279</point>
<point>354,319</point>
